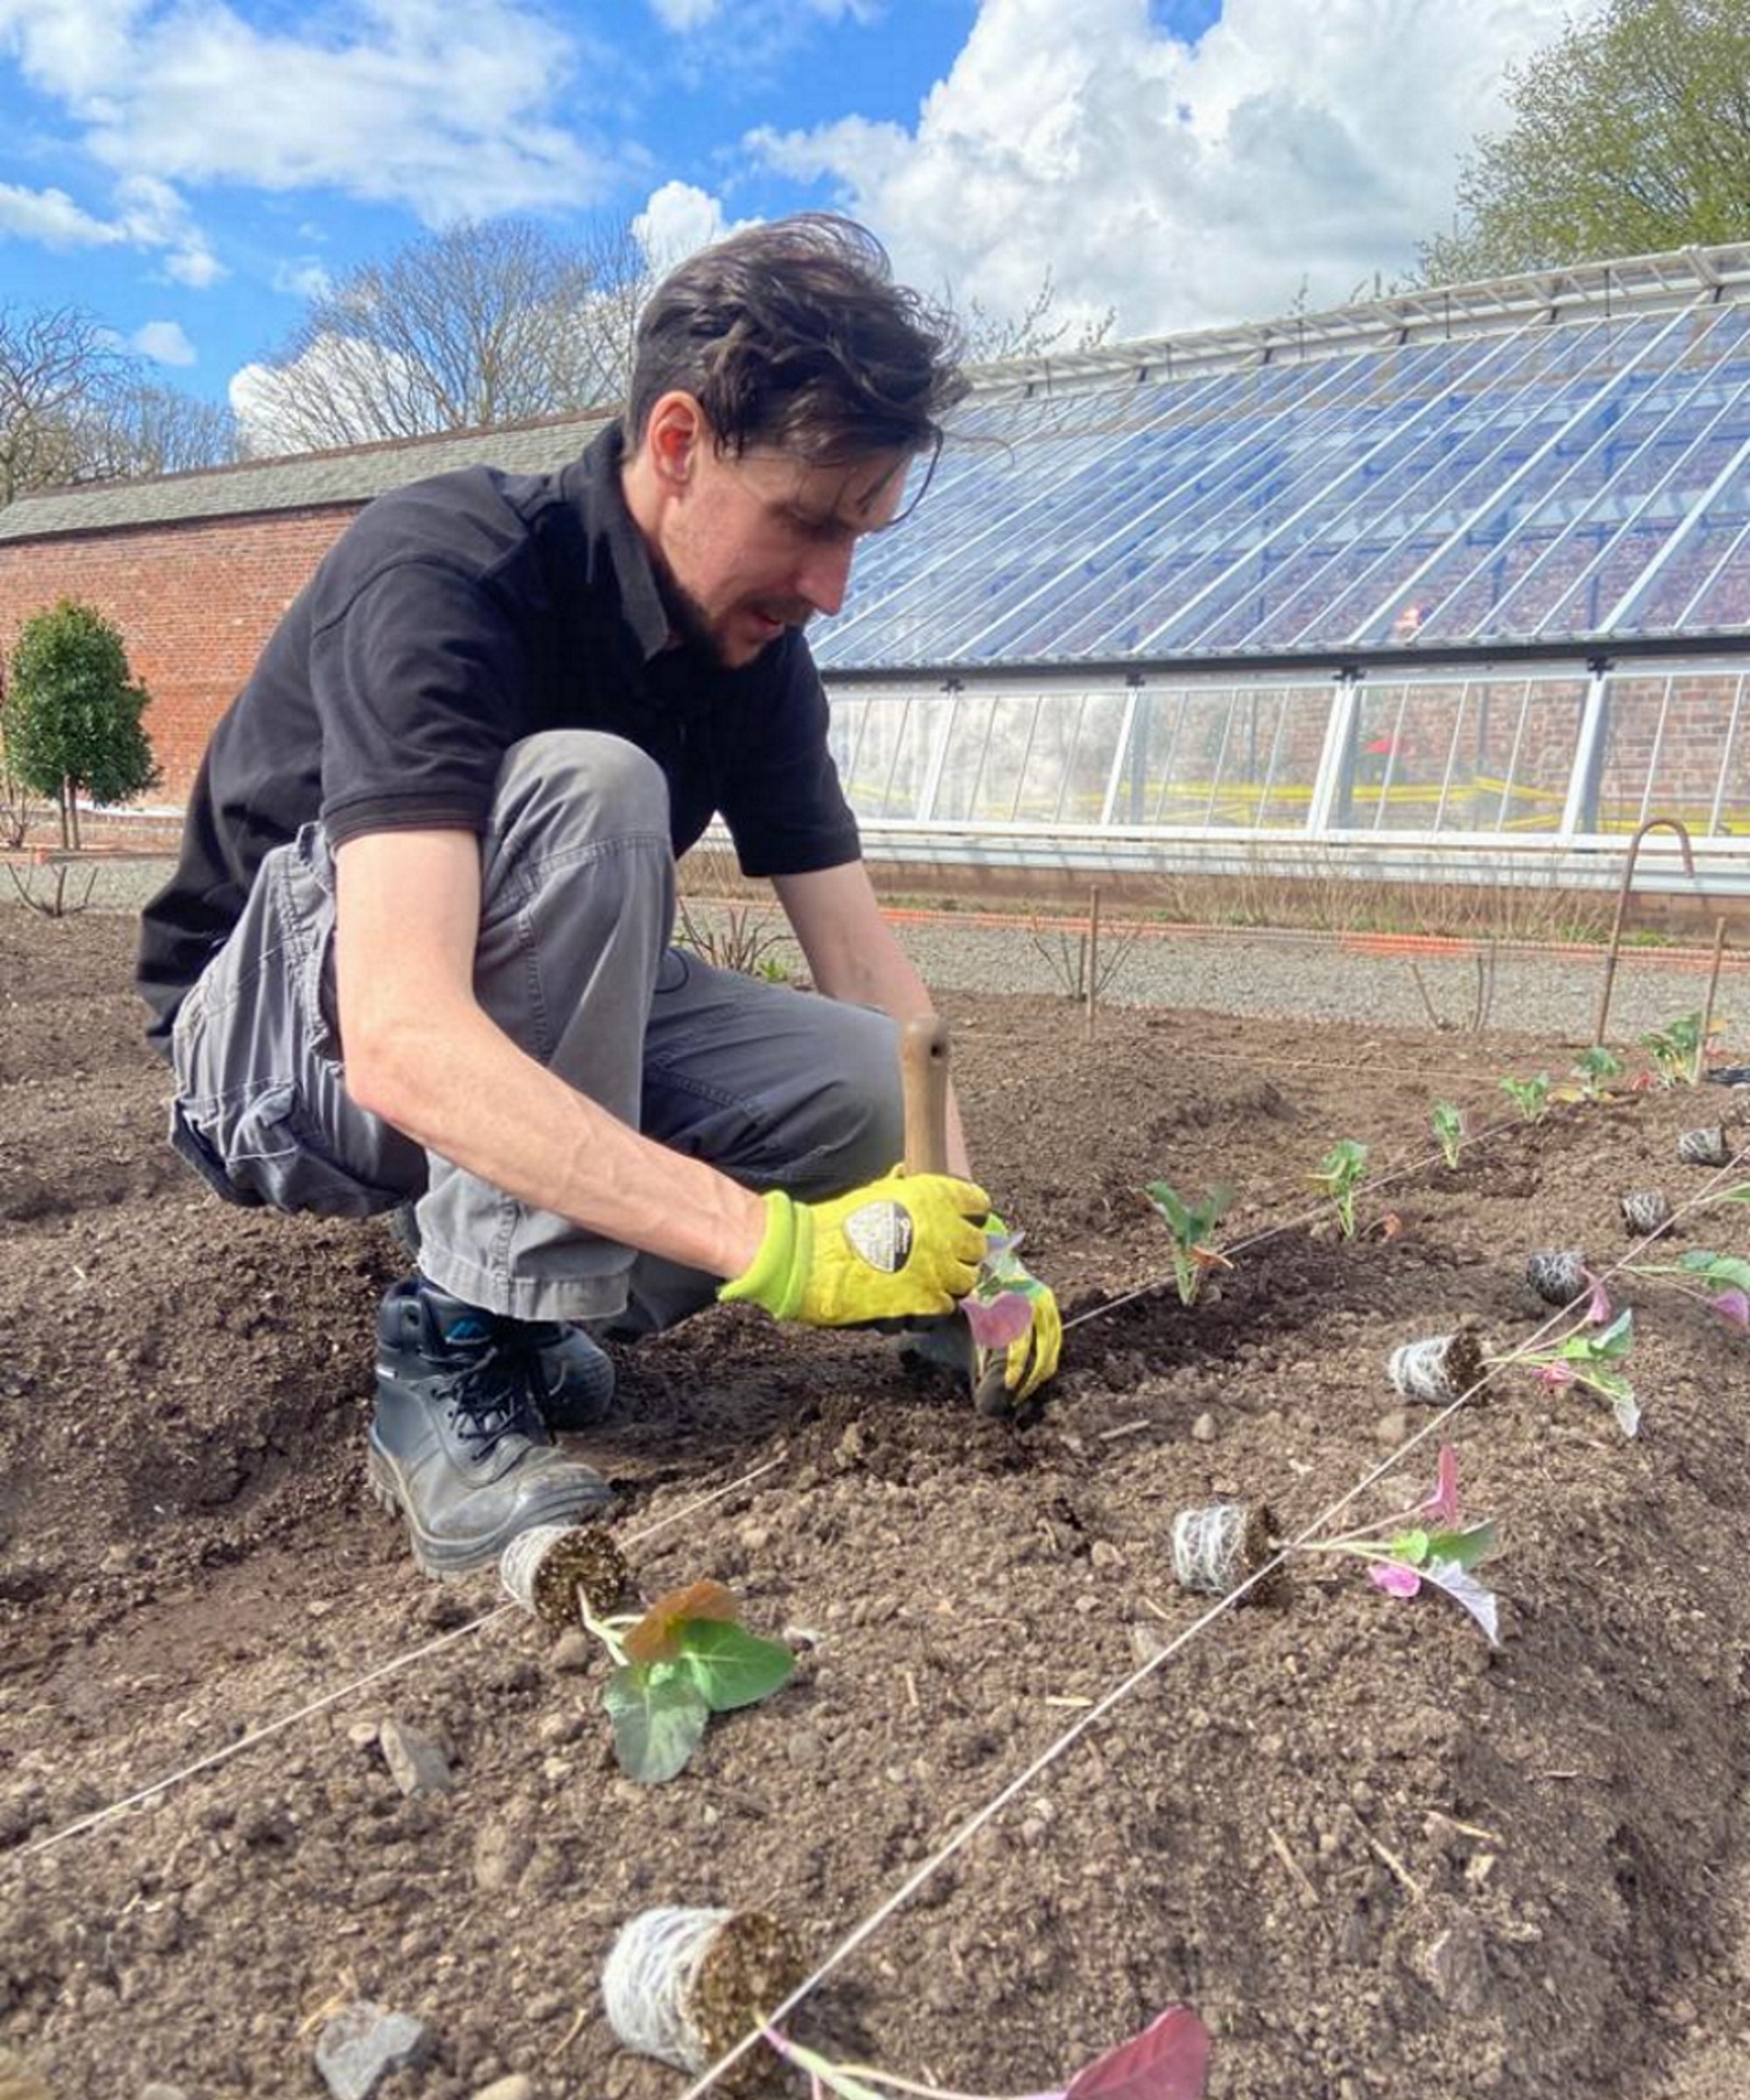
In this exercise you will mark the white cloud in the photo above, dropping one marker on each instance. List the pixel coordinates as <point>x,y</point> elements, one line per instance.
<point>164,342</point>
<point>677,221</point>
<point>52,218</point>
<point>1183,184</point>
<point>305,278</point>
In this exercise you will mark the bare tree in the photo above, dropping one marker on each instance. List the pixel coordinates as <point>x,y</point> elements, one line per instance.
<point>57,366</point>
<point>488,322</point>
<point>149,428</point>
<point>75,407</point>
<point>1032,333</point>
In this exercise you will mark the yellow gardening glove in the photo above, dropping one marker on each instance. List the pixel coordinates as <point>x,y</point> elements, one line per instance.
<point>1033,1356</point>
<point>899,1247</point>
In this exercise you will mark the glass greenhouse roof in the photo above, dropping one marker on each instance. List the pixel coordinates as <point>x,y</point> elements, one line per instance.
<point>1558,478</point>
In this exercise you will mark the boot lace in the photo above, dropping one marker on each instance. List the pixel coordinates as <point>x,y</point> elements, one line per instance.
<point>494,1398</point>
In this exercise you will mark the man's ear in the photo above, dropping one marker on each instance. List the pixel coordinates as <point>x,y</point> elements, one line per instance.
<point>674,434</point>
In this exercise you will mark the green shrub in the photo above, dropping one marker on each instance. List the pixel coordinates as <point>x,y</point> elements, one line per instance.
<point>73,713</point>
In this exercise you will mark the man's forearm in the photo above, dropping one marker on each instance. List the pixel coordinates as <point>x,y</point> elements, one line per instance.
<point>455,1083</point>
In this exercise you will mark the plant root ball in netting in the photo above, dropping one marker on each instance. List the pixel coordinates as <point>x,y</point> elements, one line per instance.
<point>1646,1211</point>
<point>544,1568</point>
<point>1438,1369</point>
<point>1219,1546</point>
<point>1703,1148</point>
<point>686,1986</point>
<point>1558,1274</point>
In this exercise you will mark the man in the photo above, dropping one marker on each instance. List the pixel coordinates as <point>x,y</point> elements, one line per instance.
<point>416,948</point>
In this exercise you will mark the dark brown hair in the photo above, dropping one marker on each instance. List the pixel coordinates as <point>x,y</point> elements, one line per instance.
<point>794,334</point>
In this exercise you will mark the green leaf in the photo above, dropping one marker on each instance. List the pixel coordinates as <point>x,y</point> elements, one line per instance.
<point>1728,1268</point>
<point>1617,1338</point>
<point>659,1714</point>
<point>1411,1547</point>
<point>1463,1549</point>
<point>730,1666</point>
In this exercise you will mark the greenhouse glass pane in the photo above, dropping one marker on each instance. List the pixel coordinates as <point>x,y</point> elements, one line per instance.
<point>1066,759</point>
<point>895,751</point>
<point>1673,746</point>
<point>1480,754</point>
<point>1236,757</point>
<point>988,756</point>
<point>1724,600</point>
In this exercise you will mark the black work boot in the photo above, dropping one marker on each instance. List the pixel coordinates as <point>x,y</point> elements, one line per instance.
<point>574,1386</point>
<point>457,1443</point>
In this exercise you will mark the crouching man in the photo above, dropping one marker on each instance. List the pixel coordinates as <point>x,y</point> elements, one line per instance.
<point>417,948</point>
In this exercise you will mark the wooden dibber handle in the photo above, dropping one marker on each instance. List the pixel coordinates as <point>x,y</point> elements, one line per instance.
<point>923,1072</point>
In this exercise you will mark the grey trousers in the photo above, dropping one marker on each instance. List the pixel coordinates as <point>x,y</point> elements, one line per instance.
<point>775,1088</point>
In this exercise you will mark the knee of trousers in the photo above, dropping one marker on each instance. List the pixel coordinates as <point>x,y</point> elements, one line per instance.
<point>573,789</point>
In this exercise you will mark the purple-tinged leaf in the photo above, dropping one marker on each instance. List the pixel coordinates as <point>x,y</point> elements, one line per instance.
<point>1555,1375</point>
<point>1600,1310</point>
<point>1444,1502</point>
<point>1394,1577</point>
<point>1168,2061</point>
<point>1733,1306</point>
<point>995,1322</point>
<point>1464,1588</point>
<point>1626,1409</point>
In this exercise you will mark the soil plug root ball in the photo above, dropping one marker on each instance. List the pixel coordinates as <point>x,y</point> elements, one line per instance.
<point>1438,1369</point>
<point>543,1569</point>
<point>1220,1545</point>
<point>1558,1275</point>
<point>1703,1148</point>
<point>1645,1211</point>
<point>686,1986</point>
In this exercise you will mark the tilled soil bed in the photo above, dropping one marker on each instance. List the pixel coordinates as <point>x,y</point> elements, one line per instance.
<point>1380,1858</point>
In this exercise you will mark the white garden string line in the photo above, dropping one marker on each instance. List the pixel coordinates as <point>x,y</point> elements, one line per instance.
<point>860,1934</point>
<point>345,1691</point>
<point>1307,1217</point>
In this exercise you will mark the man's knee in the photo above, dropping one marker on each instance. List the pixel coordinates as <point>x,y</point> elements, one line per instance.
<point>577,786</point>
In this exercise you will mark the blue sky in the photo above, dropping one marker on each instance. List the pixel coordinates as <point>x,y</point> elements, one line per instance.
<point>186,168</point>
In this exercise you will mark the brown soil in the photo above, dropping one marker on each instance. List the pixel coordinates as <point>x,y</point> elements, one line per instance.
<point>1381,1859</point>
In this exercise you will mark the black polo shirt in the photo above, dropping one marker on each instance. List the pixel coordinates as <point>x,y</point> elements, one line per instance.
<point>452,618</point>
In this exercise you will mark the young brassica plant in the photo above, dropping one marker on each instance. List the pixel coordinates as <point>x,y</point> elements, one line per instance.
<point>1530,1096</point>
<point>1679,1049</point>
<point>1191,1225</point>
<point>1590,1359</point>
<point>1448,1122</point>
<point>1594,1069</point>
<point>1341,1174</point>
<point>685,1659</point>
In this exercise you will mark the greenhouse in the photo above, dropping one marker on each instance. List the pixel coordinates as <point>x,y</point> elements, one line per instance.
<point>1454,581</point>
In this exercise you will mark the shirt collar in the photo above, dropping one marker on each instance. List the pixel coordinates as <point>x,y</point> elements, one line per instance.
<point>609,526</point>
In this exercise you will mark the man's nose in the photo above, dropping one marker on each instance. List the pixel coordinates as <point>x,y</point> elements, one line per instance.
<point>825,577</point>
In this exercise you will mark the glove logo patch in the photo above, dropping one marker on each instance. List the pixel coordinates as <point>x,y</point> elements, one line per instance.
<point>880,1234</point>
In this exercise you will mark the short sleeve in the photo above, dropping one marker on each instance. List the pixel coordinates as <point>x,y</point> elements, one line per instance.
<point>783,802</point>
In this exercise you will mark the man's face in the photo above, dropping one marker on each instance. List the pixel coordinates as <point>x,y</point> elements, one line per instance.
<point>762,543</point>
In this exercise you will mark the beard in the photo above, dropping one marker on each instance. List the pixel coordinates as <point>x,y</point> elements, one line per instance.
<point>694,628</point>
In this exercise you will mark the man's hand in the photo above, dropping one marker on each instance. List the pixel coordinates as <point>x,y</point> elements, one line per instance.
<point>901,1248</point>
<point>1031,1357</point>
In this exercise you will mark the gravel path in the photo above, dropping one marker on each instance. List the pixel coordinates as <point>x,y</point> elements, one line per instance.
<point>1290,977</point>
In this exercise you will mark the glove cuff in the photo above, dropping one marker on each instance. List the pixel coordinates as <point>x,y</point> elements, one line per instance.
<point>778,1275</point>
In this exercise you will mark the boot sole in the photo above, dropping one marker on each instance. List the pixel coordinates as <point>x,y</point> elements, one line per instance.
<point>444,1556</point>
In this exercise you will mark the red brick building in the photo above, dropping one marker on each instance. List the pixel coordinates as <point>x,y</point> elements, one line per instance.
<point>196,569</point>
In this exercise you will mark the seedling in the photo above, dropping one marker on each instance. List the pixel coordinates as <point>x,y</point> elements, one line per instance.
<point>998,1308</point>
<point>1341,1174</point>
<point>1191,1225</point>
<point>1679,1049</point>
<point>1530,1096</point>
<point>1426,1542</point>
<point>1168,2061</point>
<point>1589,1359</point>
<point>675,1665</point>
<point>1595,1069</point>
<point>1447,1122</point>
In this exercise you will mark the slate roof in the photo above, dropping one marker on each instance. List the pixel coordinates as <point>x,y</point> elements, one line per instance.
<point>305,481</point>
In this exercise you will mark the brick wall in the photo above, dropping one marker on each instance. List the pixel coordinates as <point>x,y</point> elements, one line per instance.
<point>195,603</point>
